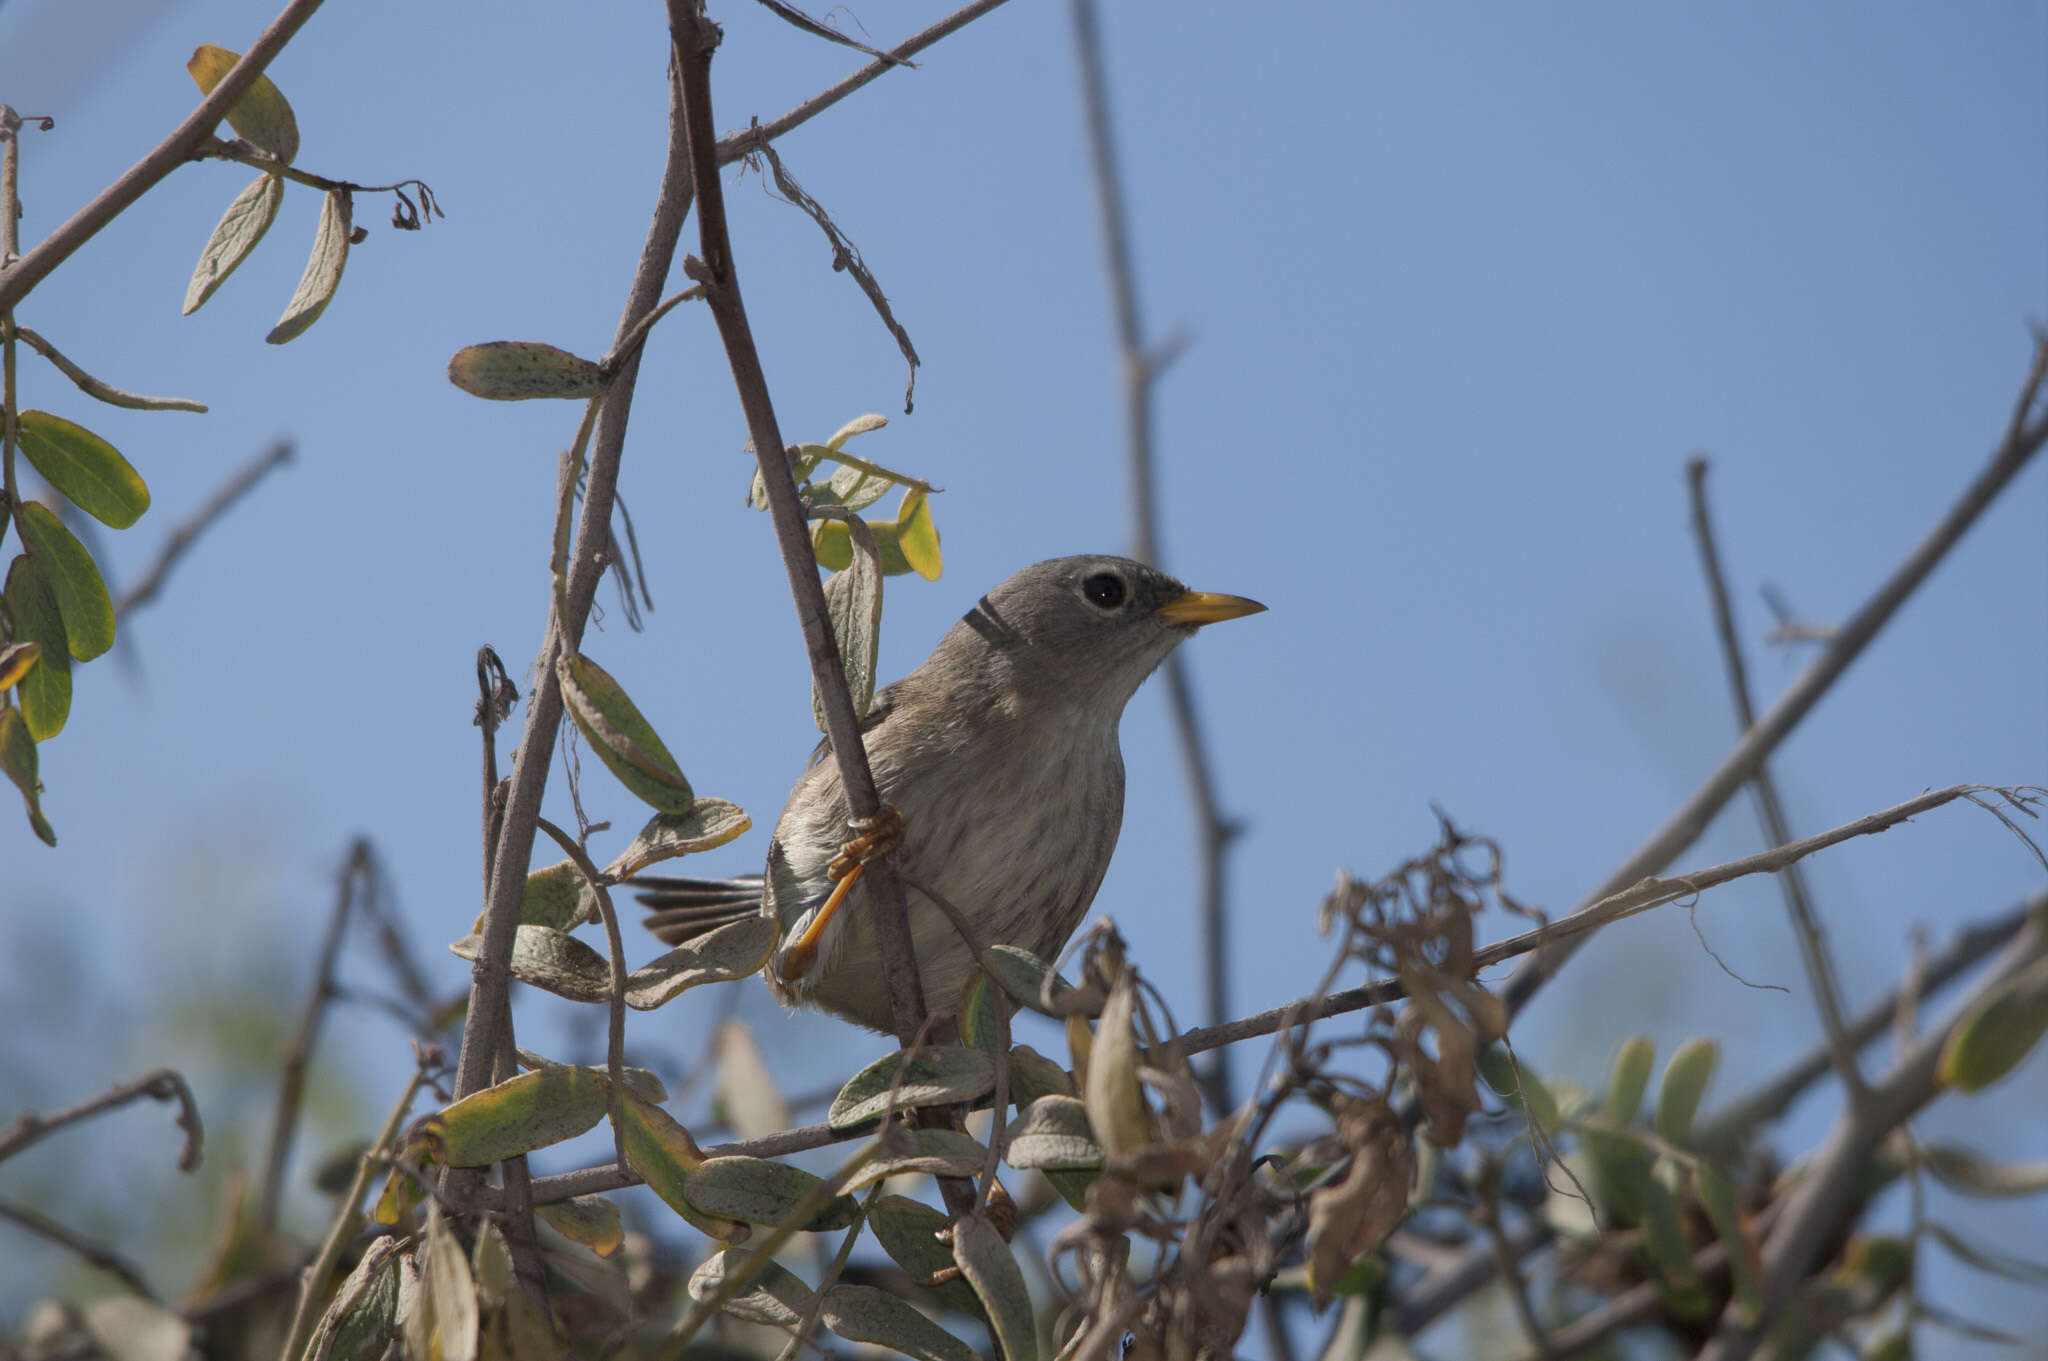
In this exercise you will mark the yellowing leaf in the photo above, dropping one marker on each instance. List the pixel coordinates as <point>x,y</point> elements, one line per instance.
<point>519,370</point>
<point>262,116</point>
<point>624,740</point>
<point>917,536</point>
<point>523,1113</point>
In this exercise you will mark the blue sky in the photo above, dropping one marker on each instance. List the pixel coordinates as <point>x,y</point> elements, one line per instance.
<point>1464,290</point>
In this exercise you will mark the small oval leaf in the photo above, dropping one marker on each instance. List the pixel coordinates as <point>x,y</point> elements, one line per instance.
<point>624,740</point>
<point>853,599</point>
<point>859,425</point>
<point>866,1313</point>
<point>773,1294</point>
<point>1685,1081</point>
<point>1033,1075</point>
<point>908,1231</point>
<point>664,1154</point>
<point>932,1152</point>
<point>2000,1031</point>
<point>323,269</point>
<point>985,1260</point>
<point>935,1077</point>
<point>18,759</point>
<point>87,469</point>
<point>234,236</point>
<point>1053,1131</point>
<point>917,537</point>
<point>262,116</point>
<point>761,1191</point>
<point>74,582</point>
<point>523,1113</point>
<point>1973,1174</point>
<point>45,691</point>
<point>1628,1078</point>
<point>709,824</point>
<point>1029,980</point>
<point>553,961</point>
<point>733,951</point>
<point>592,1221</point>
<point>520,370</point>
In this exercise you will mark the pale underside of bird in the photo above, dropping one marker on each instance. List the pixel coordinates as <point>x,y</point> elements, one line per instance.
<point>1000,754</point>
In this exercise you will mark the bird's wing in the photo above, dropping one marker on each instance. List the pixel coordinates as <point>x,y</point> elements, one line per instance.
<point>684,909</point>
<point>885,700</point>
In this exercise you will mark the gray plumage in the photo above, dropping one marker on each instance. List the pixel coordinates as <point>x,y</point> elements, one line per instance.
<point>1001,753</point>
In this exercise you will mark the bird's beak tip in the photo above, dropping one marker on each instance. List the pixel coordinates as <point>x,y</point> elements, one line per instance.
<point>1207,607</point>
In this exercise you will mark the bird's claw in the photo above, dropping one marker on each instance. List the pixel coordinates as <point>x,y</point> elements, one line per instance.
<point>872,837</point>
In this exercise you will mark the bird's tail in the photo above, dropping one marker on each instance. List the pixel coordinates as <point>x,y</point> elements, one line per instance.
<point>683,909</point>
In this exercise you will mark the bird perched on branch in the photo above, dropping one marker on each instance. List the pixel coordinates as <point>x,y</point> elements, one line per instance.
<point>1004,785</point>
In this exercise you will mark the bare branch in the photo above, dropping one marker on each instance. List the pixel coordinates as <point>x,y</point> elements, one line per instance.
<point>1141,366</point>
<point>1813,950</point>
<point>696,39</point>
<point>162,1084</point>
<point>291,1085</point>
<point>615,1047</point>
<point>87,1251</point>
<point>181,538</point>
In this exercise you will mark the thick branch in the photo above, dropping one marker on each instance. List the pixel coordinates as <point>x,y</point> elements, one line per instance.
<point>696,38</point>
<point>169,154</point>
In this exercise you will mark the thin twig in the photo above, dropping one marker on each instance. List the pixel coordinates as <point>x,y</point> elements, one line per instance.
<point>167,156</point>
<point>696,38</point>
<point>615,1047</point>
<point>1627,902</point>
<point>347,1215</point>
<point>161,1084</point>
<point>495,696</point>
<point>1829,1188</point>
<point>2021,442</point>
<point>354,879</point>
<point>489,1016</point>
<point>92,1254</point>
<point>739,144</point>
<point>1141,369</point>
<point>182,537</point>
<point>1806,928</point>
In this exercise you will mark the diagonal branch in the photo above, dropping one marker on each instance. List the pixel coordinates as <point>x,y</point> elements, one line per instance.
<point>188,531</point>
<point>1813,950</point>
<point>696,38</point>
<point>25,273</point>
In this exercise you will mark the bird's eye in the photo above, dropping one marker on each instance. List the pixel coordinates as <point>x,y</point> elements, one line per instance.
<point>1105,590</point>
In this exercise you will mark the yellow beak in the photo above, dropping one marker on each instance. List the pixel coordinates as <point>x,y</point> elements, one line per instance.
<point>1207,607</point>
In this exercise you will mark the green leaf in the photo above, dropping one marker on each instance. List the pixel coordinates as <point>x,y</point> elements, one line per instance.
<point>1033,1075</point>
<point>1025,977</point>
<point>520,370</point>
<point>262,116</point>
<point>917,536</point>
<point>855,488</point>
<point>234,236</point>
<point>1685,1081</point>
<point>985,1260</point>
<point>853,598</point>
<point>1991,1261</point>
<point>1999,1031</point>
<point>74,582</point>
<point>18,759</point>
<point>523,1113</point>
<point>624,740</point>
<point>323,269</point>
<point>761,1191</point>
<point>556,896</point>
<point>664,1155</point>
<point>1053,1131</point>
<point>979,1024</point>
<point>639,1081</point>
<point>1513,1083</point>
<point>866,1313</point>
<point>773,1295</point>
<point>709,824</point>
<point>733,951</point>
<point>1973,1174</point>
<point>1716,1194</point>
<point>1629,1078</point>
<point>592,1221</point>
<point>935,1077</point>
<point>859,425</point>
<point>364,1314</point>
<point>908,1231</point>
<point>44,691</point>
<point>553,961</point>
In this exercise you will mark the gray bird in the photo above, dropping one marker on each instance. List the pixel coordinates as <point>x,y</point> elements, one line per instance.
<point>1000,754</point>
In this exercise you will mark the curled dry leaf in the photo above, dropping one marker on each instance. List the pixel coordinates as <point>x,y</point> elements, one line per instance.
<point>1348,1219</point>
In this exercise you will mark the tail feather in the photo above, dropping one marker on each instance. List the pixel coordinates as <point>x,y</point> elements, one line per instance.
<point>684,909</point>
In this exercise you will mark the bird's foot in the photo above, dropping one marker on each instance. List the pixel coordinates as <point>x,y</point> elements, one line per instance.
<point>872,837</point>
